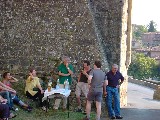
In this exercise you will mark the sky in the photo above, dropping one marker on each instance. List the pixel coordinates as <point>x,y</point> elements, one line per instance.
<point>143,11</point>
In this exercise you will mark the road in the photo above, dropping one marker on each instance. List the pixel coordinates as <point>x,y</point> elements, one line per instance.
<point>141,105</point>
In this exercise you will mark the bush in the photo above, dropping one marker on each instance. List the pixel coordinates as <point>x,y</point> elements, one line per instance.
<point>143,67</point>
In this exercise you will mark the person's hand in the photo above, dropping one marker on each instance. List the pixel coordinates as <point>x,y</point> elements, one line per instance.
<point>84,72</point>
<point>89,86</point>
<point>4,101</point>
<point>105,93</point>
<point>30,74</point>
<point>66,65</point>
<point>118,86</point>
<point>68,74</point>
<point>14,92</point>
<point>11,77</point>
<point>42,91</point>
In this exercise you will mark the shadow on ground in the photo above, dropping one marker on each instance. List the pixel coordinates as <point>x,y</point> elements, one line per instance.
<point>140,114</point>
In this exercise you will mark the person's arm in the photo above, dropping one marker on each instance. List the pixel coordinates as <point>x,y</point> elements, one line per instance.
<point>6,89</point>
<point>85,73</point>
<point>89,79</point>
<point>5,86</point>
<point>70,69</point>
<point>2,100</point>
<point>104,87</point>
<point>62,74</point>
<point>39,86</point>
<point>13,79</point>
<point>105,84</point>
<point>79,77</point>
<point>122,79</point>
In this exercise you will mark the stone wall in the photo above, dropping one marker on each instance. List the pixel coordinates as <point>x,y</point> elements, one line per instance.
<point>37,32</point>
<point>33,32</point>
<point>156,94</point>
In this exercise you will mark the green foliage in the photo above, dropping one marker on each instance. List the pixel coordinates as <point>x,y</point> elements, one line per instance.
<point>143,67</point>
<point>152,26</point>
<point>138,31</point>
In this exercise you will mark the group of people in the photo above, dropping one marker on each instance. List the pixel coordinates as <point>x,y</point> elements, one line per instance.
<point>8,96</point>
<point>94,83</point>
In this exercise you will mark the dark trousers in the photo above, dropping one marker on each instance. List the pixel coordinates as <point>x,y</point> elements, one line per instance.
<point>37,95</point>
<point>4,111</point>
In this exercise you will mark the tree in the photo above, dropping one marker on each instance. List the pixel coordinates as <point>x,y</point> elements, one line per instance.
<point>152,26</point>
<point>143,67</point>
<point>138,30</point>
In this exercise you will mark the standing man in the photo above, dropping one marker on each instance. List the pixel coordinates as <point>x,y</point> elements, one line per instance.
<point>96,81</point>
<point>82,84</point>
<point>115,79</point>
<point>65,71</point>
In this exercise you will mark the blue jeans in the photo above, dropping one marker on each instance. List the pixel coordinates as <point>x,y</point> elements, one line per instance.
<point>7,95</point>
<point>15,99</point>
<point>113,95</point>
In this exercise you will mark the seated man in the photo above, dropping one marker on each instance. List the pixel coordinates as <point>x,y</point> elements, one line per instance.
<point>31,83</point>
<point>4,110</point>
<point>7,79</point>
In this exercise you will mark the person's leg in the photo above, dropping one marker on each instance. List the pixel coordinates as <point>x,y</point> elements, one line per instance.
<point>109,101</point>
<point>17,101</point>
<point>65,100</point>
<point>88,109</point>
<point>4,110</point>
<point>57,101</point>
<point>98,106</point>
<point>85,90</point>
<point>78,93</point>
<point>7,95</point>
<point>40,96</point>
<point>98,99</point>
<point>29,95</point>
<point>116,102</point>
<point>90,98</point>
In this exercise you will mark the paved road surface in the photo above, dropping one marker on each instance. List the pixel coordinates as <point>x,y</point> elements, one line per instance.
<point>141,105</point>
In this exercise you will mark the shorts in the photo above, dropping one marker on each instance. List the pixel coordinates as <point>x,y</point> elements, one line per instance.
<point>92,95</point>
<point>81,86</point>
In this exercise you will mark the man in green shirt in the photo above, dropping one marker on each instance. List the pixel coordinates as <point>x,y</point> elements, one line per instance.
<point>65,71</point>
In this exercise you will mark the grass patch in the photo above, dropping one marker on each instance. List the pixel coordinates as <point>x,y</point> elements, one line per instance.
<point>38,113</point>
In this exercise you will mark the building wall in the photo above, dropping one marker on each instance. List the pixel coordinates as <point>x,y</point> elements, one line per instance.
<point>151,39</point>
<point>38,32</point>
<point>154,53</point>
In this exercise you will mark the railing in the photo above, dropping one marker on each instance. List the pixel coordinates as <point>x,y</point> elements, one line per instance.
<point>148,83</point>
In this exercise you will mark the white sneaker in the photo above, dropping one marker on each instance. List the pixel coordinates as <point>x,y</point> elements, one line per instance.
<point>44,108</point>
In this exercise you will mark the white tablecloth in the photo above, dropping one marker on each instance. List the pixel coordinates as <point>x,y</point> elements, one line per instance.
<point>63,92</point>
